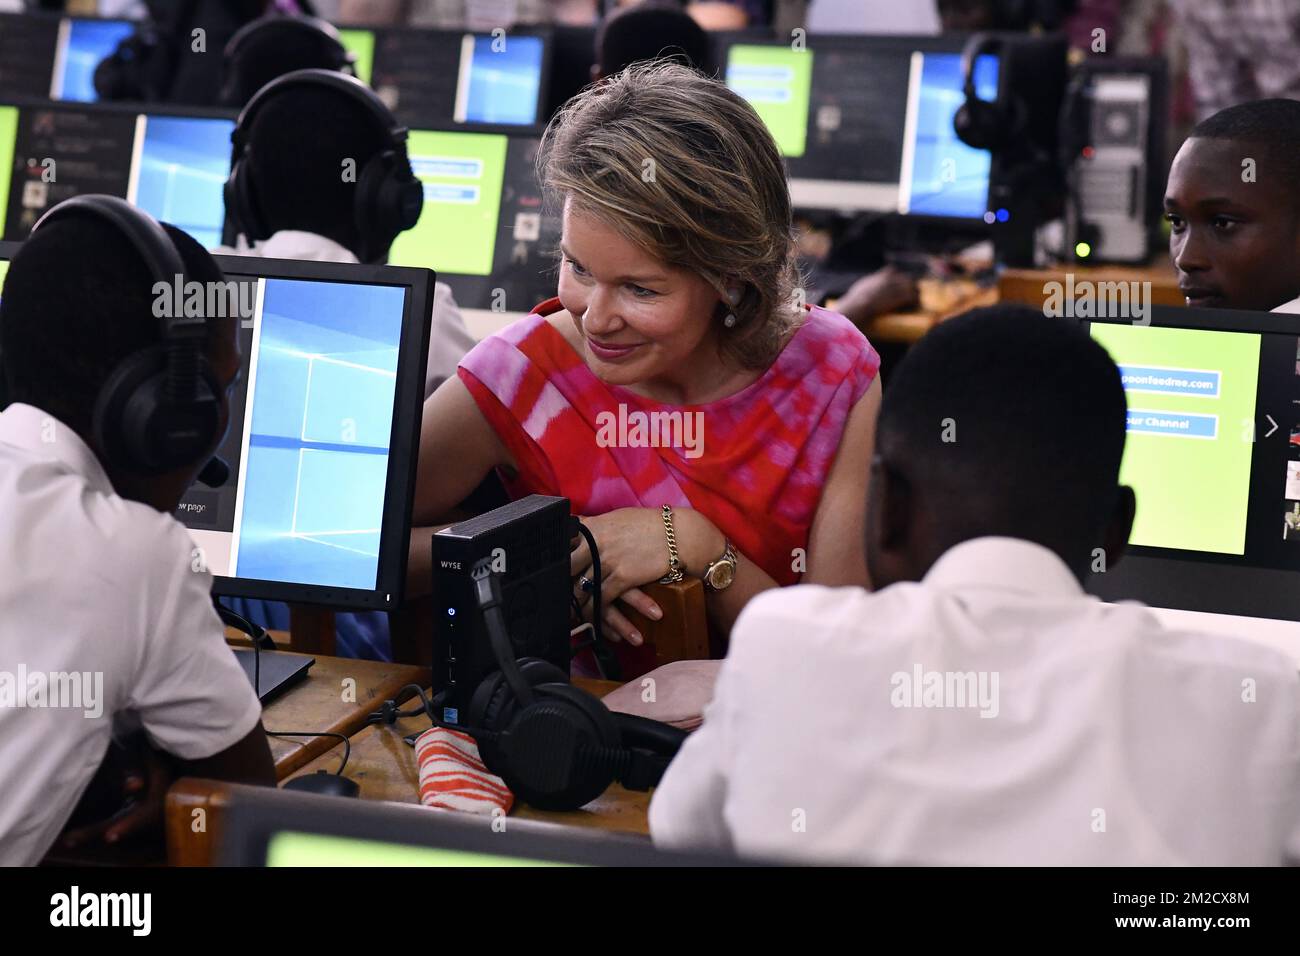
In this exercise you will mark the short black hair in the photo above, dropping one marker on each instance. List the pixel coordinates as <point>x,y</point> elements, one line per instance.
<point>651,30</point>
<point>298,142</point>
<point>1269,128</point>
<point>1015,418</point>
<point>273,46</point>
<point>77,300</point>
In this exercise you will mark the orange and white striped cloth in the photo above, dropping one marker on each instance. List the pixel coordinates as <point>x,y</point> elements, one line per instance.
<point>452,775</point>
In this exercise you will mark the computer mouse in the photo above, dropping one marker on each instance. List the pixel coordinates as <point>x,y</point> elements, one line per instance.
<point>324,782</point>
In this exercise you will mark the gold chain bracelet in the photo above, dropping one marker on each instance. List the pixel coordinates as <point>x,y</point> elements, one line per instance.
<point>674,562</point>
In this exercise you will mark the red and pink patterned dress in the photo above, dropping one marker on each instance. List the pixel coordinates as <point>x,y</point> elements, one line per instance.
<point>766,451</point>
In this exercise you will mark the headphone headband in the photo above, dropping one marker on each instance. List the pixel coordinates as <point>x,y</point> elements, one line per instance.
<point>361,94</point>
<point>272,23</point>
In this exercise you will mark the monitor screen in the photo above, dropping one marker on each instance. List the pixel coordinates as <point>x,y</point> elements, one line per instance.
<point>865,123</point>
<point>500,80</point>
<point>174,166</point>
<point>315,849</point>
<point>27,47</point>
<point>484,229</point>
<point>361,44</point>
<point>1213,454</point>
<point>941,175</point>
<point>434,78</point>
<point>179,173</point>
<point>82,45</point>
<point>321,443</point>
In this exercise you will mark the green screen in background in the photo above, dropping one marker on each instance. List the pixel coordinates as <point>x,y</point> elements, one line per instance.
<point>1192,493</point>
<point>462,175</point>
<point>8,137</point>
<point>361,44</point>
<point>777,82</point>
<point>312,849</point>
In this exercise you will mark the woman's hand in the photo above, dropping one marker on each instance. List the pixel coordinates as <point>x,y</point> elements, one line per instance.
<point>634,551</point>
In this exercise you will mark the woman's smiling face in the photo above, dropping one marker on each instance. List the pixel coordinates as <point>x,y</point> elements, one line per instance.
<point>639,318</point>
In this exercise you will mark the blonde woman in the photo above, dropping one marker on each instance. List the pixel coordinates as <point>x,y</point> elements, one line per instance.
<point>676,380</point>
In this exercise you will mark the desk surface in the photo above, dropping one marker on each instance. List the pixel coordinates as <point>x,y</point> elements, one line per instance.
<point>325,701</point>
<point>383,764</point>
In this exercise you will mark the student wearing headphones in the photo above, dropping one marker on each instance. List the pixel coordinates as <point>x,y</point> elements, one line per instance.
<point>274,45</point>
<point>101,595</point>
<point>320,172</point>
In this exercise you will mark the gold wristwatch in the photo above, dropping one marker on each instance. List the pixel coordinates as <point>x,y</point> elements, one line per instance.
<point>722,572</point>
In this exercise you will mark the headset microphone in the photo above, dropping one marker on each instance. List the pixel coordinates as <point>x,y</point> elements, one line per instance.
<point>215,473</point>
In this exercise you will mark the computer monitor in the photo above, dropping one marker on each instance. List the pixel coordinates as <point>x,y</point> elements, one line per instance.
<point>27,47</point>
<point>83,43</point>
<point>1213,454</point>
<point>484,228</point>
<point>171,163</point>
<point>432,78</point>
<point>865,123</point>
<point>323,431</point>
<point>361,44</point>
<point>269,827</point>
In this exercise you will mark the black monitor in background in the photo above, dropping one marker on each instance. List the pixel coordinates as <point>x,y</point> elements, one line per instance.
<point>43,54</point>
<point>270,827</point>
<point>441,77</point>
<point>27,47</point>
<point>323,431</point>
<point>572,57</point>
<point>484,229</point>
<point>1213,454</point>
<point>173,163</point>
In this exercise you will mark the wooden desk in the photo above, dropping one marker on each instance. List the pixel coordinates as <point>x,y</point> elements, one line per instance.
<point>940,299</point>
<point>322,703</point>
<point>1026,285</point>
<point>383,764</point>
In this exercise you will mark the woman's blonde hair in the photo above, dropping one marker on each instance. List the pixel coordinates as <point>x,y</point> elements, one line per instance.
<point>686,170</point>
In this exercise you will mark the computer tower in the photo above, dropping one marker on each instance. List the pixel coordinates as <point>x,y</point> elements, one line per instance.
<point>527,543</point>
<point>1115,122</point>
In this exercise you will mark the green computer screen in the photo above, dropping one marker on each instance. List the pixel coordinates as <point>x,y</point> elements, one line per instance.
<point>462,175</point>
<point>314,849</point>
<point>361,44</point>
<point>8,136</point>
<point>777,82</point>
<point>1191,398</point>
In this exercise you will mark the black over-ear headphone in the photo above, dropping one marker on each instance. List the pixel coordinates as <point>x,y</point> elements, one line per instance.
<point>159,408</point>
<point>556,747</point>
<point>389,199</point>
<point>985,124</point>
<point>316,35</point>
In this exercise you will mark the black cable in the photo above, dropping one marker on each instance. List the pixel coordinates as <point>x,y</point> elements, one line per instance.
<point>487,594</point>
<point>256,634</point>
<point>347,744</point>
<point>606,660</point>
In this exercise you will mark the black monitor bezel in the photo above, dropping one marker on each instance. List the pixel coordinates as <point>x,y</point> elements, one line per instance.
<point>256,816</point>
<point>404,437</point>
<point>1196,581</point>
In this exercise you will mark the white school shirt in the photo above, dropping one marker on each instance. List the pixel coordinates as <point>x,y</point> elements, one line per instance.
<point>1291,306</point>
<point>91,583</point>
<point>449,339</point>
<point>1111,740</point>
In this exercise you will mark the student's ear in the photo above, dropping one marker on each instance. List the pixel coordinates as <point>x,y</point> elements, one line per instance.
<point>889,525</point>
<point>1120,526</point>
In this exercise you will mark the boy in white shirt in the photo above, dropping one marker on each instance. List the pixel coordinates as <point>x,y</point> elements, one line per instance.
<point>106,626</point>
<point>979,708</point>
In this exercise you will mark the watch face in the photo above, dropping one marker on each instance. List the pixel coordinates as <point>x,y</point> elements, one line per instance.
<point>722,575</point>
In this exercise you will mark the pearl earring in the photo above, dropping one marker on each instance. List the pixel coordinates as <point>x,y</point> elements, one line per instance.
<point>730,320</point>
